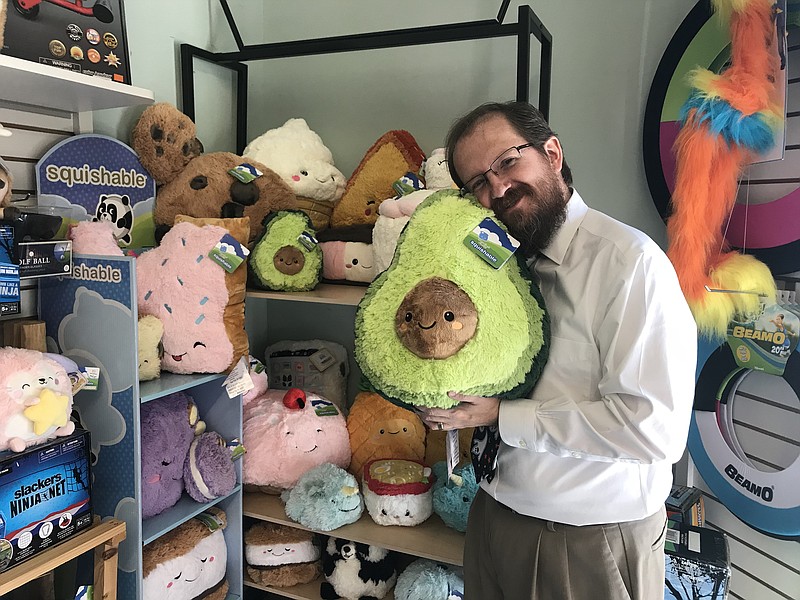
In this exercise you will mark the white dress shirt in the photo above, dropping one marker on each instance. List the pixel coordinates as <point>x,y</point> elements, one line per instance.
<point>609,416</point>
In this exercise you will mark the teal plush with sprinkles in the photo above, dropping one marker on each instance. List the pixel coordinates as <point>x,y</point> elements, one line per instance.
<point>287,257</point>
<point>440,318</point>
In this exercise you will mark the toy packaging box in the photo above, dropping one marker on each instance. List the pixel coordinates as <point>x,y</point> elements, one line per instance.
<point>697,563</point>
<point>45,496</point>
<point>84,37</point>
<point>685,503</point>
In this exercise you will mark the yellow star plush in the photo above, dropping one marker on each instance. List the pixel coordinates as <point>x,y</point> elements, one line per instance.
<point>50,410</point>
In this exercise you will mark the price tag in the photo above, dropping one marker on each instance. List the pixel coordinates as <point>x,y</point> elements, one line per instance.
<point>238,380</point>
<point>453,451</point>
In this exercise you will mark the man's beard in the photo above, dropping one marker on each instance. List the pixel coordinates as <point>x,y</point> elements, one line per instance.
<point>536,220</point>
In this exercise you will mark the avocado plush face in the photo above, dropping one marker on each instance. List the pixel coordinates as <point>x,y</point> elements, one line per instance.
<point>440,318</point>
<point>280,261</point>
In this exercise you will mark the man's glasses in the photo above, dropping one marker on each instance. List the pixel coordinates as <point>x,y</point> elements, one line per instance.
<point>502,165</point>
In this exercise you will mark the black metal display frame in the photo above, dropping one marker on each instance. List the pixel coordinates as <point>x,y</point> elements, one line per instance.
<point>527,24</point>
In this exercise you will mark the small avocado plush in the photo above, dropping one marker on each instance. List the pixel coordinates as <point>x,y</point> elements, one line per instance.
<point>287,257</point>
<point>441,318</point>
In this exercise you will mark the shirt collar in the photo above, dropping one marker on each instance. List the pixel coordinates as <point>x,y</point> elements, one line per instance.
<point>558,246</point>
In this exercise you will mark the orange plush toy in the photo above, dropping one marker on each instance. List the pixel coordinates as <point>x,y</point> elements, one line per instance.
<point>379,429</point>
<point>388,159</point>
<point>728,119</point>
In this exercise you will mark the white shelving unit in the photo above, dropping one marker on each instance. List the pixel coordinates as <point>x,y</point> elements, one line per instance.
<point>328,313</point>
<point>46,87</point>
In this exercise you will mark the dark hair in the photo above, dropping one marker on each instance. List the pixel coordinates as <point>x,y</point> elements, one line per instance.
<point>523,117</point>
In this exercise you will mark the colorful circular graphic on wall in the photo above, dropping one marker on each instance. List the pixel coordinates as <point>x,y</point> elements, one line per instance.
<point>766,218</point>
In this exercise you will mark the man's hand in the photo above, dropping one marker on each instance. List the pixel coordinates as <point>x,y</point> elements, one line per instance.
<point>472,411</point>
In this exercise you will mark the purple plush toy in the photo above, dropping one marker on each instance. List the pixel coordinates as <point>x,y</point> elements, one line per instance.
<point>209,472</point>
<point>168,427</point>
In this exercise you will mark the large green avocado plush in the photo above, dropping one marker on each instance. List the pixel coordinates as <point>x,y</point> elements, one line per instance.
<point>287,257</point>
<point>440,318</point>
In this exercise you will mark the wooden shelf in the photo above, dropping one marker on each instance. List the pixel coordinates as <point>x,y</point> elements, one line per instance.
<point>324,293</point>
<point>306,591</point>
<point>44,86</point>
<point>107,534</point>
<point>431,539</point>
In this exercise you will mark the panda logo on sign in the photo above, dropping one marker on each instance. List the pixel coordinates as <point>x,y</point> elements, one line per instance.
<point>116,210</point>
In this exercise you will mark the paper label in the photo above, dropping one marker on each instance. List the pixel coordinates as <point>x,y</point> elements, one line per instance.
<point>209,520</point>
<point>322,359</point>
<point>490,241</point>
<point>453,451</point>
<point>324,408</point>
<point>245,172</point>
<point>238,380</point>
<point>307,240</point>
<point>92,375</point>
<point>228,253</point>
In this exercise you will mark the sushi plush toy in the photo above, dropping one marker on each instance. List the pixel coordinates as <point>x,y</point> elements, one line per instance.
<point>456,310</point>
<point>281,556</point>
<point>398,492</point>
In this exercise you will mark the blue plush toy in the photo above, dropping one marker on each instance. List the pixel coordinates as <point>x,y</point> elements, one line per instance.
<point>325,498</point>
<point>427,580</point>
<point>452,497</point>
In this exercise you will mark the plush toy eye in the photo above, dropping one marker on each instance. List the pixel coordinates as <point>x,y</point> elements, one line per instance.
<point>196,344</point>
<point>409,316</point>
<point>355,261</point>
<point>304,173</point>
<point>408,513</point>
<point>405,429</point>
<point>165,463</point>
<point>449,316</point>
<point>26,385</point>
<point>199,182</point>
<point>178,576</point>
<point>202,560</point>
<point>383,431</point>
<point>319,430</point>
<point>465,498</point>
<point>383,512</point>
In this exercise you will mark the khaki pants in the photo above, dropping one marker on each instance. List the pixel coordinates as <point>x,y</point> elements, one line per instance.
<point>509,556</point>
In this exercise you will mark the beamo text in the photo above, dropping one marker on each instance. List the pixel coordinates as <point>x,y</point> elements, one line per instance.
<point>102,273</point>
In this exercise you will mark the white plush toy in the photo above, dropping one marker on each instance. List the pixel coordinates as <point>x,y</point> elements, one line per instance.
<point>394,213</point>
<point>297,154</point>
<point>189,561</point>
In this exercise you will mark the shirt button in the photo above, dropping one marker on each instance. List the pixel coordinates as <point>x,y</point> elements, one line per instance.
<point>576,454</point>
<point>522,444</point>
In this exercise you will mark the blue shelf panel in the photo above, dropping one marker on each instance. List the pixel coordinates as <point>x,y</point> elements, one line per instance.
<point>170,383</point>
<point>186,508</point>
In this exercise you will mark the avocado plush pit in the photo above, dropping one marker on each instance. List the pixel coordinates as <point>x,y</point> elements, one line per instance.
<point>436,319</point>
<point>289,260</point>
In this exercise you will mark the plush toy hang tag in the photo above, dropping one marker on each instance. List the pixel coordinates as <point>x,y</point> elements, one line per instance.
<point>236,448</point>
<point>228,253</point>
<point>453,451</point>
<point>238,380</point>
<point>211,521</point>
<point>245,172</point>
<point>307,240</point>
<point>490,241</point>
<point>322,359</point>
<point>91,375</point>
